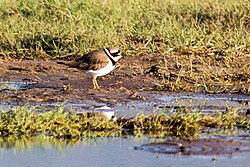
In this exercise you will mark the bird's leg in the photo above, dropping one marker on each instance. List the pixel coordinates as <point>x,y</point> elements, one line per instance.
<point>95,84</point>
<point>93,81</point>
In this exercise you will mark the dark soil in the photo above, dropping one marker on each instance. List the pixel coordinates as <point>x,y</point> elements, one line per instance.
<point>58,83</point>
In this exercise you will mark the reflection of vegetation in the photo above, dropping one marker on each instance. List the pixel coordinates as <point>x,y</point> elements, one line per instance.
<point>24,142</point>
<point>43,142</point>
<point>59,124</point>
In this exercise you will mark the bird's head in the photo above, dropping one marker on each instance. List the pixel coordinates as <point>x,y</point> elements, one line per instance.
<point>115,52</point>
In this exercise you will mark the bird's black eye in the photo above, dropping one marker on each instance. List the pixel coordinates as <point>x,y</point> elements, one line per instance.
<point>117,53</point>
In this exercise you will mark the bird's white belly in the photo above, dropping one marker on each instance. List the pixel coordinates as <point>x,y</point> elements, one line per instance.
<point>103,71</point>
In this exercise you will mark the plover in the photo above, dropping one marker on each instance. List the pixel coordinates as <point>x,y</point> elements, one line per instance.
<point>96,63</point>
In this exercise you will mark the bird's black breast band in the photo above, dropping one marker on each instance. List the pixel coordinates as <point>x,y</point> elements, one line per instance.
<point>109,55</point>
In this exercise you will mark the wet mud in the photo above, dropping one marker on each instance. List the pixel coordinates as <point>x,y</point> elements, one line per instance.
<point>127,90</point>
<point>47,81</point>
<point>205,146</point>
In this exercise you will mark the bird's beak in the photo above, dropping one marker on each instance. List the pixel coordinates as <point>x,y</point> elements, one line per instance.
<point>121,55</point>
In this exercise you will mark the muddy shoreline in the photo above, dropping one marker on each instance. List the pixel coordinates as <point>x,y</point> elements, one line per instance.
<point>39,82</point>
<point>51,82</point>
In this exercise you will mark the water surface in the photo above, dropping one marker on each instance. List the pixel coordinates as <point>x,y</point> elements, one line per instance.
<point>111,152</point>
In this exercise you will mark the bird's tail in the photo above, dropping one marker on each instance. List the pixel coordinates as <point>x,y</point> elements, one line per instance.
<point>73,64</point>
<point>61,62</point>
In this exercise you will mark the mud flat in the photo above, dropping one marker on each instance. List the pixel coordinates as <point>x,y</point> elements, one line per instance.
<point>202,146</point>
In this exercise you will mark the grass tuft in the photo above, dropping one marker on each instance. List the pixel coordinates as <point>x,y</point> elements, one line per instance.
<point>57,123</point>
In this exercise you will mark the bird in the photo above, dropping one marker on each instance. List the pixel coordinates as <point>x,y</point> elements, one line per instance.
<point>97,63</point>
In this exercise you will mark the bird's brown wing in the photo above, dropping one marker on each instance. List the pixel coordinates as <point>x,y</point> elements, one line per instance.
<point>92,61</point>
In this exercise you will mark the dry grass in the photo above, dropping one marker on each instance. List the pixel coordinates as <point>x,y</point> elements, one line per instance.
<point>203,69</point>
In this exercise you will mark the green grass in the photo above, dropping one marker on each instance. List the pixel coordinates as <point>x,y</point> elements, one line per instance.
<point>59,124</point>
<point>50,28</point>
<point>204,44</point>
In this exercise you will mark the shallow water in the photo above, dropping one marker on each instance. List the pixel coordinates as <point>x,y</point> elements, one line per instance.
<point>159,101</point>
<point>119,151</point>
<point>17,85</point>
<point>108,152</point>
<point>168,102</point>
